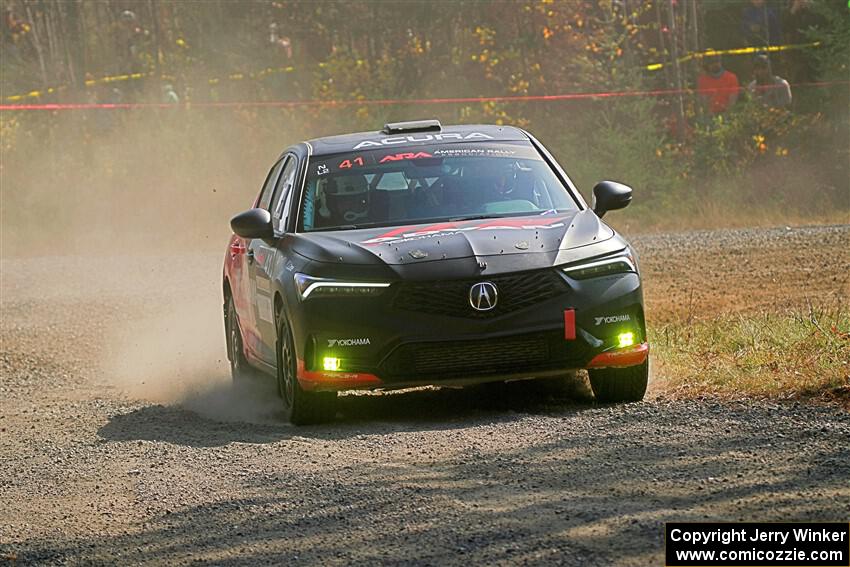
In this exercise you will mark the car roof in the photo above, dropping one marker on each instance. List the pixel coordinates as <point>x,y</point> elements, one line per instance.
<point>466,132</point>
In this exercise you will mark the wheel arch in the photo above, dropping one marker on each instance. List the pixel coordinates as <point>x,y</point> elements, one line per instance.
<point>278,305</point>
<point>226,292</point>
<point>281,308</point>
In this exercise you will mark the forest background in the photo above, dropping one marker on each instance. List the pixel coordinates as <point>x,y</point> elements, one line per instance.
<point>207,94</point>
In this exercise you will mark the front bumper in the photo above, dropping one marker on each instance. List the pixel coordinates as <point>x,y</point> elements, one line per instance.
<point>380,342</point>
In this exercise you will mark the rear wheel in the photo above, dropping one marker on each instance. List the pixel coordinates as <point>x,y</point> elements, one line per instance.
<point>617,385</point>
<point>239,368</point>
<point>299,407</point>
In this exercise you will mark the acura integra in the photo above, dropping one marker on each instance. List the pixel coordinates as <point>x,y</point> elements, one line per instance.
<point>430,255</point>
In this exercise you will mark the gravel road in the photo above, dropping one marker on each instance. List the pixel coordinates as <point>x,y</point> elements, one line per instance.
<point>122,442</point>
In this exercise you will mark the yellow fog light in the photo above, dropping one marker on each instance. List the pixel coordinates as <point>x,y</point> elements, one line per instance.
<point>623,340</point>
<point>331,363</point>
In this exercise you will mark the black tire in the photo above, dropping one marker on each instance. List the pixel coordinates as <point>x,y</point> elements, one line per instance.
<point>299,407</point>
<point>240,371</point>
<point>618,385</point>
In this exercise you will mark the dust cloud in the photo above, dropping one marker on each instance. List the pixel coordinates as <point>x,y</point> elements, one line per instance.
<point>110,183</point>
<point>175,355</point>
<point>132,210</point>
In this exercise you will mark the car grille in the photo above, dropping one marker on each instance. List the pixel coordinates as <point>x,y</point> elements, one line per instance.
<point>501,355</point>
<point>451,297</point>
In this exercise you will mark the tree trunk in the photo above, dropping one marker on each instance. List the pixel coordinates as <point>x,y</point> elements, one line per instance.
<point>73,41</point>
<point>37,39</point>
<point>677,70</point>
<point>157,47</point>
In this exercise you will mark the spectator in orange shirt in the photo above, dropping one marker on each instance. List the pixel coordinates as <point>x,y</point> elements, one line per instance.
<point>718,88</point>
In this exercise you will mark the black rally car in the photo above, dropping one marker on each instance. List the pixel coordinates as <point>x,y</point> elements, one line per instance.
<point>424,254</point>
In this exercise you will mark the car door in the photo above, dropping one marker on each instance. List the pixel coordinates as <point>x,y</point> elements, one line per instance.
<point>241,249</point>
<point>263,257</point>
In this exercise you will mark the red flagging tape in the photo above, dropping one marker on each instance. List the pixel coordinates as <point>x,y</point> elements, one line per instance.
<point>379,102</point>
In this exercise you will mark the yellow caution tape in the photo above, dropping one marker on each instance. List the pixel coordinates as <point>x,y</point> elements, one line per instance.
<point>290,69</point>
<point>137,76</point>
<point>736,51</point>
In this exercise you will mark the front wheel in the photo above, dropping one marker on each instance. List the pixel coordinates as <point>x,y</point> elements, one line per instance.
<point>299,407</point>
<point>618,385</point>
<point>239,368</point>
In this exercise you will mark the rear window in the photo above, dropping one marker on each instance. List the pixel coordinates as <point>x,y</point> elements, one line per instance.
<point>394,186</point>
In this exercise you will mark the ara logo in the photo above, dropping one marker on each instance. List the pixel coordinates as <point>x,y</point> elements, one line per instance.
<point>612,319</point>
<point>348,342</point>
<point>420,139</point>
<point>399,157</point>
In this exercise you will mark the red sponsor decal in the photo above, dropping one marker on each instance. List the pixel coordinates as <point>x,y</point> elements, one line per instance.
<point>527,223</point>
<point>236,248</point>
<point>404,229</point>
<point>569,324</point>
<point>524,222</point>
<point>399,157</point>
<point>349,163</point>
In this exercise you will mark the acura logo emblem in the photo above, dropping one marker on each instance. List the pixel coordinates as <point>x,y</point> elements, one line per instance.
<point>483,296</point>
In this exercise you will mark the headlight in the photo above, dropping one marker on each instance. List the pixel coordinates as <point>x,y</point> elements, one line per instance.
<point>309,286</point>
<point>622,263</point>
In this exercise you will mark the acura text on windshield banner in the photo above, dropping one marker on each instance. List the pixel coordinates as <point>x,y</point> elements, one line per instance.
<point>757,544</point>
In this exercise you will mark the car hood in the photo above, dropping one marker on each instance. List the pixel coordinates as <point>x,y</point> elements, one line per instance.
<point>524,242</point>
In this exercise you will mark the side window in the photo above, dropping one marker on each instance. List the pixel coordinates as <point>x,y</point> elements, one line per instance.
<point>268,186</point>
<point>282,193</point>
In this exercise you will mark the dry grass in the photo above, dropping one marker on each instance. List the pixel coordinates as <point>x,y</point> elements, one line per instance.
<point>713,216</point>
<point>799,354</point>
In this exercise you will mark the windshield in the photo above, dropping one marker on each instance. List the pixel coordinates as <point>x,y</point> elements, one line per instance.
<point>426,183</point>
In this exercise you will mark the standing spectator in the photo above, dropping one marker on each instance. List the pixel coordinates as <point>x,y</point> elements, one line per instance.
<point>760,24</point>
<point>133,38</point>
<point>282,42</point>
<point>717,87</point>
<point>13,30</point>
<point>772,90</point>
<point>169,95</point>
<point>14,27</point>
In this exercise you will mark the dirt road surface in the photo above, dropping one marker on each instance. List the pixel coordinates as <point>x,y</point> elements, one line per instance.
<point>122,442</point>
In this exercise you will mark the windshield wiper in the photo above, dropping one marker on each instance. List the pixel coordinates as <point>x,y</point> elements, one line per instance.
<point>473,217</point>
<point>341,227</point>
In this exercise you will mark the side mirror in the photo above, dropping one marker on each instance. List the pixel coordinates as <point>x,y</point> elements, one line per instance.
<point>609,196</point>
<point>253,223</point>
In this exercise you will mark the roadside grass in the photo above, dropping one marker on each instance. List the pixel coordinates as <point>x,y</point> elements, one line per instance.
<point>798,354</point>
<point>720,216</point>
